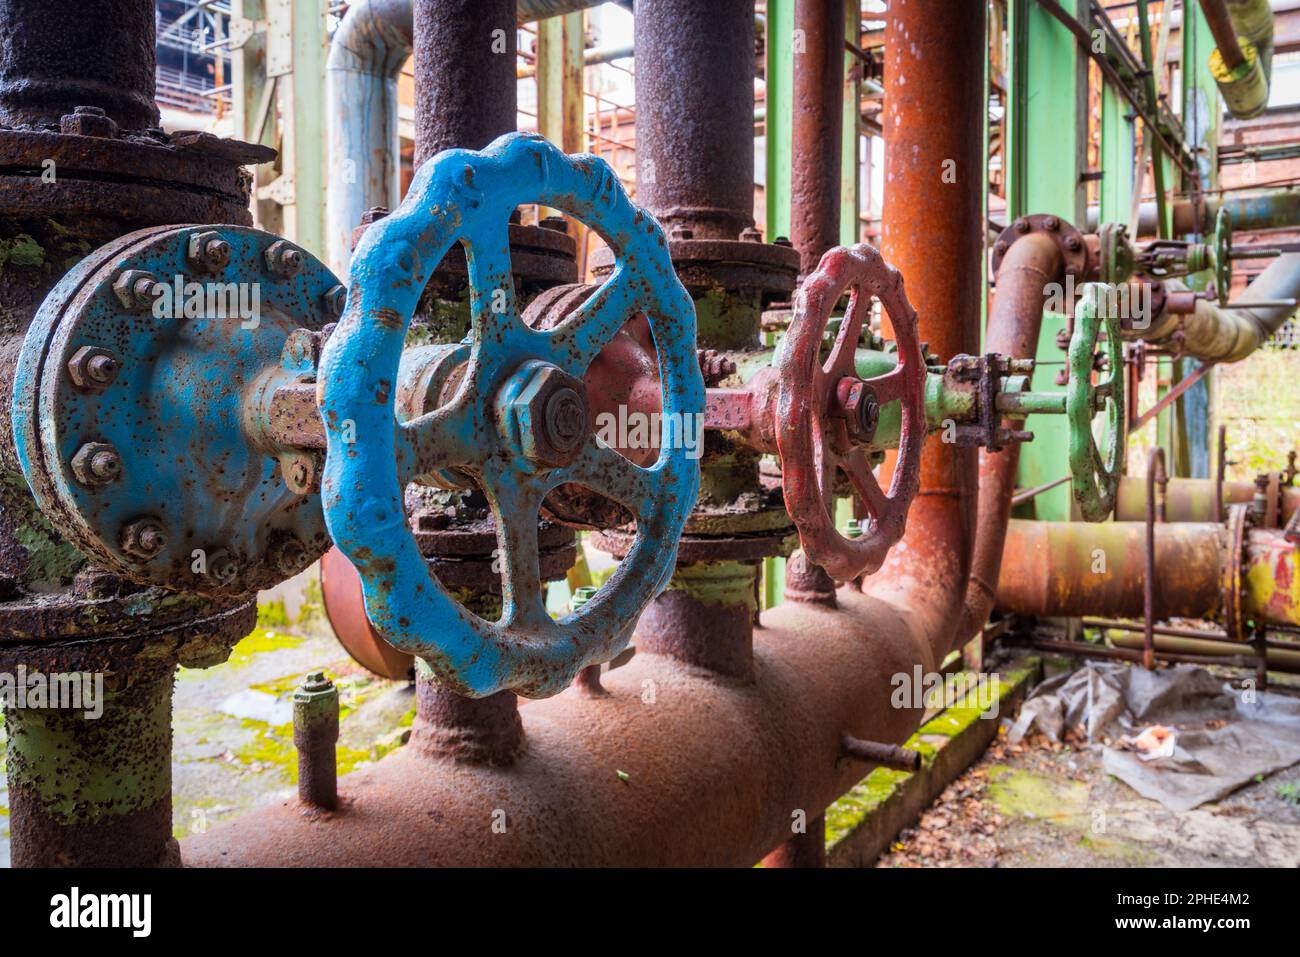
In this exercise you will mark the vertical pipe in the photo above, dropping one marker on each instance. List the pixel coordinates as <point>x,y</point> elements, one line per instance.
<point>695,114</point>
<point>464,74</point>
<point>932,226</point>
<point>818,122</point>
<point>60,54</point>
<point>89,790</point>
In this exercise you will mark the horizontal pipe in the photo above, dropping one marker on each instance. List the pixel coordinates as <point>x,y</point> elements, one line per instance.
<point>1279,659</point>
<point>714,768</point>
<point>1192,500</point>
<point>1250,211</point>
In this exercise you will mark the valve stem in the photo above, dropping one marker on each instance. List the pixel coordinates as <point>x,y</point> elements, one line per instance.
<point>886,755</point>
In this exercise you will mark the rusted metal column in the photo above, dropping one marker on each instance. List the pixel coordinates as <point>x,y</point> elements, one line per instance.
<point>464,74</point>
<point>315,735</point>
<point>818,121</point>
<point>933,232</point>
<point>695,114</point>
<point>56,55</point>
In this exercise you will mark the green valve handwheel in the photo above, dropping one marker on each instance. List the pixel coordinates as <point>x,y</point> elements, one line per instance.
<point>1094,475</point>
<point>1223,255</point>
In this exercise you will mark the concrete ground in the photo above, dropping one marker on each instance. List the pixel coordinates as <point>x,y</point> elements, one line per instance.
<point>1040,804</point>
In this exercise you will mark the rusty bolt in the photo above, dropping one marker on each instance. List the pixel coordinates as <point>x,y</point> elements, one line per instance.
<point>1022,225</point>
<point>751,234</point>
<point>373,214</point>
<point>859,408</point>
<point>335,300</point>
<point>299,470</point>
<point>289,556</point>
<point>783,241</point>
<point>302,348</point>
<point>93,368</point>
<point>1000,247</point>
<point>551,412</point>
<point>222,567</point>
<point>681,232</point>
<point>1073,243</point>
<point>555,223</point>
<point>1052,224</point>
<point>134,289</point>
<point>88,121</point>
<point>208,250</point>
<point>145,539</point>
<point>97,463</point>
<point>284,259</point>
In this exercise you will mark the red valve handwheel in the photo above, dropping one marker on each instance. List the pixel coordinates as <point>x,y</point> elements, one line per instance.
<point>814,399</point>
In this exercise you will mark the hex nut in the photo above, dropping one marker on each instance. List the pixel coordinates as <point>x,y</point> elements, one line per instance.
<point>289,556</point>
<point>134,289</point>
<point>553,418</point>
<point>144,539</point>
<point>96,464</point>
<point>284,259</point>
<point>88,121</point>
<point>336,299</point>
<point>93,368</point>
<point>860,409</point>
<point>208,251</point>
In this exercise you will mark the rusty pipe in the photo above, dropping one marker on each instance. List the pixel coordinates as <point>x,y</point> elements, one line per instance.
<point>725,797</point>
<point>1192,500</point>
<point>465,86</point>
<point>818,119</point>
<point>1015,321</point>
<point>1224,33</point>
<point>933,232</point>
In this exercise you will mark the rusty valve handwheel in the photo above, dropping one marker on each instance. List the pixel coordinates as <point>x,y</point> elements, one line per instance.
<point>825,413</point>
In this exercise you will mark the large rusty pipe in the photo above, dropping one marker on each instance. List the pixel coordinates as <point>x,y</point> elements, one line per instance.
<point>715,769</point>
<point>57,55</point>
<point>1073,569</point>
<point>1192,500</point>
<point>818,119</point>
<point>695,114</point>
<point>465,86</point>
<point>933,228</point>
<point>1224,33</point>
<point>1015,321</point>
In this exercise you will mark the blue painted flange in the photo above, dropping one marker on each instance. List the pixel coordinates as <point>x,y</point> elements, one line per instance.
<point>182,405</point>
<point>468,197</point>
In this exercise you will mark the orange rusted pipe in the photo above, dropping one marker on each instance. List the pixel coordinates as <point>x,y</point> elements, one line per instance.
<point>933,232</point>
<point>1192,500</point>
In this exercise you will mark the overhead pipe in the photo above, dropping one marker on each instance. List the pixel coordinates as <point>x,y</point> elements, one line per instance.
<point>658,791</point>
<point>818,119</point>
<point>369,47</point>
<point>1192,499</point>
<point>1250,211</point>
<point>1242,61</point>
<point>1212,333</point>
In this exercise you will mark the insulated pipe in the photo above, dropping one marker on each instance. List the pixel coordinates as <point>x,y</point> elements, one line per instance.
<point>1192,500</point>
<point>1250,211</point>
<point>367,53</point>
<point>1224,33</point>
<point>1015,321</point>
<point>1214,334</point>
<point>694,115</point>
<point>933,233</point>
<point>818,119</point>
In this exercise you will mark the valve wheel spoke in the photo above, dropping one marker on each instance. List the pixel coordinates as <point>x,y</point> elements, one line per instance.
<point>441,439</point>
<point>604,470</point>
<point>491,281</point>
<point>889,387</point>
<point>577,340</point>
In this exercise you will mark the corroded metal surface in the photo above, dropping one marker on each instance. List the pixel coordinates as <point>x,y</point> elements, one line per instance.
<point>469,196</point>
<point>818,114</point>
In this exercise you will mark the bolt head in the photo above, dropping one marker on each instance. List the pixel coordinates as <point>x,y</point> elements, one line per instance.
<point>134,289</point>
<point>1052,223</point>
<point>144,539</point>
<point>208,250</point>
<point>97,464</point>
<point>1022,225</point>
<point>552,415</point>
<point>222,567</point>
<point>284,259</point>
<point>335,301</point>
<point>1073,243</point>
<point>88,121</point>
<point>93,368</point>
<point>289,556</point>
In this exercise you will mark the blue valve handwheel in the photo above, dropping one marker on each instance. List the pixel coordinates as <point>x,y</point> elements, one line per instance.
<point>517,424</point>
